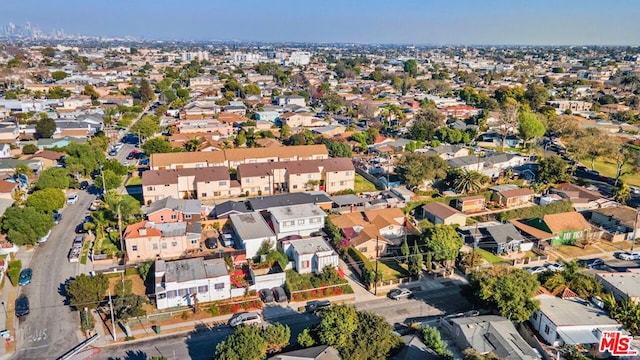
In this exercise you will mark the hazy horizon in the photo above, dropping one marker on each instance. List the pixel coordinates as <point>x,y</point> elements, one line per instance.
<point>464,22</point>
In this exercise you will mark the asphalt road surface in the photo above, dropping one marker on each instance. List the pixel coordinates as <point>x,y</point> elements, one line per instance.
<point>51,327</point>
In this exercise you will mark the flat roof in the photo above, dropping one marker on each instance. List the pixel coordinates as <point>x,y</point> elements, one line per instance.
<point>250,226</point>
<point>627,282</point>
<point>296,211</point>
<point>194,269</point>
<point>310,245</point>
<point>572,312</point>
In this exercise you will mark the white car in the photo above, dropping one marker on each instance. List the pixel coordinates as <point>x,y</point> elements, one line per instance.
<point>397,294</point>
<point>629,255</point>
<point>72,198</point>
<point>245,318</point>
<point>537,270</point>
<point>555,266</point>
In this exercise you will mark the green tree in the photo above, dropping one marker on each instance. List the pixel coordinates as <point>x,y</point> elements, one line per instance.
<point>157,145</point>
<point>85,157</point>
<point>115,166</point>
<point>25,225</point>
<point>90,91</point>
<point>29,149</point>
<point>415,168</point>
<point>434,341</point>
<point>241,138</point>
<point>415,261</point>
<point>45,127</point>
<point>192,145</point>
<point>285,131</point>
<point>508,290</point>
<point>425,124</point>
<point>622,193</point>
<point>305,339</point>
<point>444,241</point>
<point>536,95</point>
<point>551,170</point>
<point>469,181</point>
<point>371,326</point>
<point>530,127</point>
<point>111,180</point>
<point>47,200</point>
<point>277,336</point>
<point>411,67</point>
<point>147,126</point>
<point>146,92</point>
<point>87,291</point>
<point>23,169</point>
<point>59,75</point>
<point>337,324</point>
<point>404,250</point>
<point>246,343</point>
<point>53,177</point>
<point>128,306</point>
<point>252,89</point>
<point>56,92</point>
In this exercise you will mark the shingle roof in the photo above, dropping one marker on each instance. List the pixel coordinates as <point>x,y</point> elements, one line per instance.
<point>185,206</point>
<point>567,221</point>
<point>440,210</point>
<point>265,202</point>
<point>170,176</point>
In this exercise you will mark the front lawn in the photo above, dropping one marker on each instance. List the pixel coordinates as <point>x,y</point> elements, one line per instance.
<point>134,181</point>
<point>363,185</point>
<point>571,251</point>
<point>310,286</point>
<point>490,257</point>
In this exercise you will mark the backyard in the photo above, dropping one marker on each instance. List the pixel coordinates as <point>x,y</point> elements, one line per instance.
<point>363,185</point>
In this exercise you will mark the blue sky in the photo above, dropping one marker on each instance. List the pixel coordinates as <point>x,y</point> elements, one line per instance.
<point>538,22</point>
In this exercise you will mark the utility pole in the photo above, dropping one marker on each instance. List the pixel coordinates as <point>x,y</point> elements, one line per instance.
<point>113,322</point>
<point>375,277</point>
<point>120,229</point>
<point>104,186</point>
<point>635,229</point>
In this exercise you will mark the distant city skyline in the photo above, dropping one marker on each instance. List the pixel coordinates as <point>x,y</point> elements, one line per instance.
<point>490,22</point>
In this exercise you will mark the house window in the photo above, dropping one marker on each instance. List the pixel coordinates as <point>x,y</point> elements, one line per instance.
<point>161,296</point>
<point>174,243</point>
<point>262,177</point>
<point>154,246</point>
<point>203,289</point>
<point>295,186</point>
<point>164,245</point>
<point>546,329</point>
<point>194,241</point>
<point>304,264</point>
<point>167,185</point>
<point>301,222</point>
<point>266,188</point>
<point>161,217</point>
<point>218,286</point>
<point>288,223</point>
<point>567,235</point>
<point>171,293</point>
<point>309,176</point>
<point>216,193</point>
<point>150,188</point>
<point>342,183</point>
<point>187,216</point>
<point>247,180</point>
<point>535,316</point>
<point>333,183</point>
<point>134,248</point>
<point>222,183</point>
<point>203,195</point>
<point>174,216</point>
<point>314,220</point>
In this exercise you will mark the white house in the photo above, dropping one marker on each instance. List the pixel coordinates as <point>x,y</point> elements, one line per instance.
<point>291,100</point>
<point>570,321</point>
<point>5,151</point>
<point>300,220</point>
<point>177,282</point>
<point>310,254</point>
<point>251,231</point>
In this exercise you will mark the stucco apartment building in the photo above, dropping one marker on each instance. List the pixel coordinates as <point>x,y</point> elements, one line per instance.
<point>147,241</point>
<point>330,175</point>
<point>231,158</point>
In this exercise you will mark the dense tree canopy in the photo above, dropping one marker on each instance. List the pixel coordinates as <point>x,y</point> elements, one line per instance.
<point>87,291</point>
<point>253,342</point>
<point>46,127</point>
<point>552,169</point>
<point>415,168</point>
<point>53,177</point>
<point>47,200</point>
<point>147,126</point>
<point>25,225</point>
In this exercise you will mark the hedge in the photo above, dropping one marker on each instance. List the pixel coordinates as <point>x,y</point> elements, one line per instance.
<point>536,211</point>
<point>13,271</point>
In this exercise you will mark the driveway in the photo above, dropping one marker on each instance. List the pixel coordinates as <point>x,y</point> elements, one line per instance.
<point>51,328</point>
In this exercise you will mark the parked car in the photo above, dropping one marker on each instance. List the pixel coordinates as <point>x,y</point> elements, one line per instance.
<point>397,294</point>
<point>78,241</point>
<point>72,198</point>
<point>25,277</point>
<point>84,185</point>
<point>113,152</point>
<point>317,305</point>
<point>95,205</point>
<point>591,263</point>
<point>555,266</point>
<point>279,294</point>
<point>245,318</point>
<point>132,155</point>
<point>57,217</point>
<point>629,255</point>
<point>22,306</point>
<point>537,270</point>
<point>80,229</point>
<point>267,296</point>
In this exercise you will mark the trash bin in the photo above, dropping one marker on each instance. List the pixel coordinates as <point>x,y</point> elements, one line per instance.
<point>156,329</point>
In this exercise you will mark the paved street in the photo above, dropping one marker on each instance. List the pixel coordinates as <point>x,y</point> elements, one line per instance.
<point>51,328</point>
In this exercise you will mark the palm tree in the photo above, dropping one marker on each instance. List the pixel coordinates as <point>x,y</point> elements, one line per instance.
<point>468,181</point>
<point>192,145</point>
<point>391,111</point>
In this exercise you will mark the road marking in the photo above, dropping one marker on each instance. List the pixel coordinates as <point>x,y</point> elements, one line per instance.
<point>38,335</point>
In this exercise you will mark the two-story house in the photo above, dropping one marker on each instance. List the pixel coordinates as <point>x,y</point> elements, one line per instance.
<point>310,254</point>
<point>619,223</point>
<point>294,120</point>
<point>171,209</point>
<point>296,220</point>
<point>146,240</point>
<point>251,230</point>
<point>471,204</point>
<point>192,183</point>
<point>181,282</point>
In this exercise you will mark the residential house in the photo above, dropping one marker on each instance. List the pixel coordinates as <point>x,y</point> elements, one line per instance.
<point>198,183</point>
<point>471,204</point>
<point>447,152</point>
<point>310,254</point>
<point>514,197</point>
<point>5,151</point>
<point>270,116</point>
<point>9,132</point>
<point>441,214</point>
<point>228,208</point>
<point>251,230</point>
<point>291,100</point>
<point>7,189</point>
<point>580,197</point>
<point>623,285</point>
<point>320,352</point>
<point>8,166</point>
<point>500,238</point>
<point>294,119</point>
<point>48,158</point>
<point>231,158</point>
<point>180,282</point>
<point>562,106</point>
<point>489,334</point>
<point>295,221</point>
<point>570,321</point>
<point>567,228</point>
<point>619,223</point>
<point>266,276</point>
<point>261,203</point>
<point>170,209</point>
<point>146,240</point>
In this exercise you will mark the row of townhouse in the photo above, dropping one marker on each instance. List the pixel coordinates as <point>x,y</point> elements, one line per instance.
<point>330,175</point>
<point>231,158</point>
